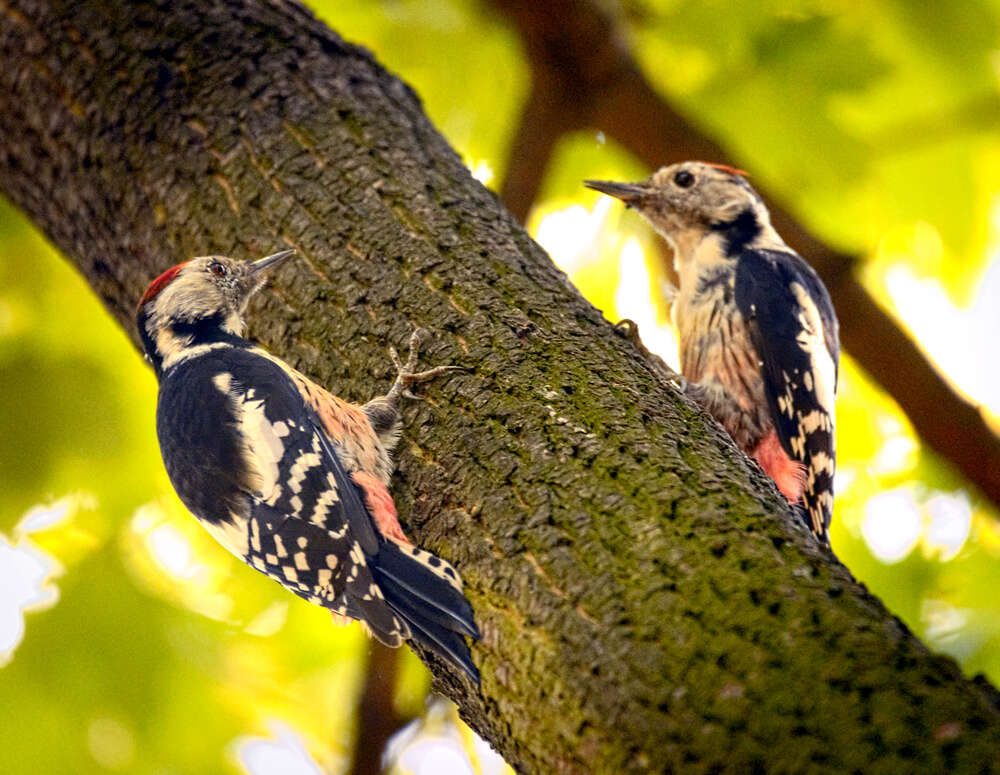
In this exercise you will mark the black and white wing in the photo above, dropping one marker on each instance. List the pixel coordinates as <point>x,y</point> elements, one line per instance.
<point>794,330</point>
<point>310,529</point>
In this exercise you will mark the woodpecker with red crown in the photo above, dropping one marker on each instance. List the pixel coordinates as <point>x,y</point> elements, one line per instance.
<point>759,345</point>
<point>289,478</point>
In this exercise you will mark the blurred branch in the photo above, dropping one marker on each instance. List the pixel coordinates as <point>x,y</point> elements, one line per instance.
<point>648,601</point>
<point>546,117</point>
<point>378,719</point>
<point>585,77</point>
<point>982,113</point>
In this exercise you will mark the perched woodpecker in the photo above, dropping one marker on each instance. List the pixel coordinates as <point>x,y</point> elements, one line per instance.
<point>759,344</point>
<point>289,478</point>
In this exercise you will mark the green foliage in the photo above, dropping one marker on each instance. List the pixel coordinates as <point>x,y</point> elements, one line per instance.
<point>875,122</point>
<point>866,118</point>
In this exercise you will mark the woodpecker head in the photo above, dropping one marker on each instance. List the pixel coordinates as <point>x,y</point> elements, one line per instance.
<point>199,302</point>
<point>688,201</point>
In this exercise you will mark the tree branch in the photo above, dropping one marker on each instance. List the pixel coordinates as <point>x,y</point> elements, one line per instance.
<point>647,601</point>
<point>578,45</point>
<point>377,716</point>
<point>546,117</point>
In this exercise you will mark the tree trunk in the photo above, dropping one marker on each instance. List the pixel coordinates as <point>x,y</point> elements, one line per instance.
<point>647,601</point>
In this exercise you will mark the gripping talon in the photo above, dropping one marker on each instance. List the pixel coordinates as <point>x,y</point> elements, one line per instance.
<point>406,377</point>
<point>630,330</point>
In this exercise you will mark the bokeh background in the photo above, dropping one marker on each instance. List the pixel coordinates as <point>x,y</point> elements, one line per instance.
<point>131,642</point>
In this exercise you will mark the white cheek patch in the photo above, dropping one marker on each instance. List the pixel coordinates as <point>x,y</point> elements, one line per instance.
<point>176,349</point>
<point>193,292</point>
<point>170,346</point>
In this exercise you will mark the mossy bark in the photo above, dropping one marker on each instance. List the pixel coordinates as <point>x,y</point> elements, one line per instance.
<point>647,601</point>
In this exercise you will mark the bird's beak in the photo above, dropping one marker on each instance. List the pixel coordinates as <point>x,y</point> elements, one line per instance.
<point>269,262</point>
<point>631,194</point>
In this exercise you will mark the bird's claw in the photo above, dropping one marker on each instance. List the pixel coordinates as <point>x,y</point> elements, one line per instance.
<point>406,376</point>
<point>630,330</point>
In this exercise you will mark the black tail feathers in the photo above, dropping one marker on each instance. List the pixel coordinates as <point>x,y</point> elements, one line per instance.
<point>802,511</point>
<point>423,591</point>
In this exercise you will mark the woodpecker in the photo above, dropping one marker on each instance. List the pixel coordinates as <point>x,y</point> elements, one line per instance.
<point>289,478</point>
<point>759,343</point>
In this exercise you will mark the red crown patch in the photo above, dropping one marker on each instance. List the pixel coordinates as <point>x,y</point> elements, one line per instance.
<point>160,283</point>
<point>727,168</point>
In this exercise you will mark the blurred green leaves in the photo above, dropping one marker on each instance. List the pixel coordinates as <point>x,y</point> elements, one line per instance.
<point>864,118</point>
<point>877,123</point>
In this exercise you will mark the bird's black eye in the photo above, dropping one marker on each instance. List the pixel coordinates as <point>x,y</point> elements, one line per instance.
<point>684,179</point>
<point>217,269</point>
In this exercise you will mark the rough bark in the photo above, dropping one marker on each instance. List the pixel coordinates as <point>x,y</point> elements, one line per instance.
<point>647,601</point>
<point>584,76</point>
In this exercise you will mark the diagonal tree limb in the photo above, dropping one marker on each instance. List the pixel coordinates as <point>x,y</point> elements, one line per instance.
<point>647,601</point>
<point>590,80</point>
<point>547,116</point>
<point>378,719</point>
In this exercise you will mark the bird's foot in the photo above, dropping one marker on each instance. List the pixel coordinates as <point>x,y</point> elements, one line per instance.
<point>407,376</point>
<point>630,330</point>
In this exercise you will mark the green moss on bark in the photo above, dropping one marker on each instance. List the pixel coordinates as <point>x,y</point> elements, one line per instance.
<point>647,601</point>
